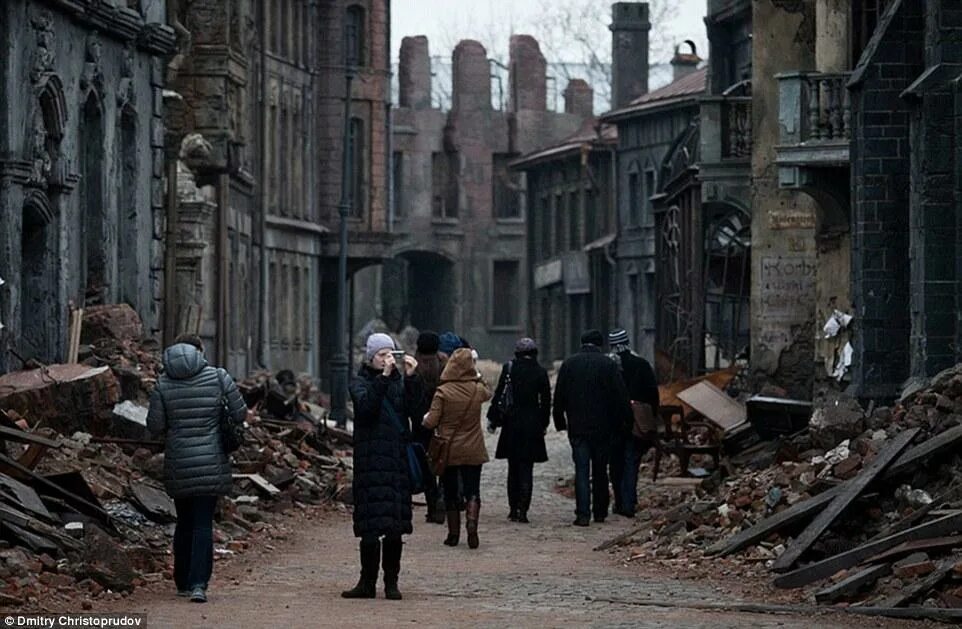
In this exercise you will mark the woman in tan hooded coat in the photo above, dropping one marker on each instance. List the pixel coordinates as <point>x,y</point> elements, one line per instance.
<point>456,414</point>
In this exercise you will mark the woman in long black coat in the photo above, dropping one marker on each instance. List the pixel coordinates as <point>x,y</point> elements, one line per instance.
<point>523,426</point>
<point>383,400</point>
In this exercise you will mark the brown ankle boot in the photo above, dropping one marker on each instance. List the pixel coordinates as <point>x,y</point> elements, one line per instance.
<point>454,528</point>
<point>472,511</point>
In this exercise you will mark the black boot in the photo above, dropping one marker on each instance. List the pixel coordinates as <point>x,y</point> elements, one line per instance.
<point>524,502</point>
<point>454,528</point>
<point>370,562</point>
<point>392,567</point>
<point>438,511</point>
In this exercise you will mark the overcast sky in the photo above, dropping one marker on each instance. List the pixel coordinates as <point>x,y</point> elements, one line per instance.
<point>446,21</point>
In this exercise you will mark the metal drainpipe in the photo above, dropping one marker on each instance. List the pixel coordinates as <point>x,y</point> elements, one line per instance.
<point>263,317</point>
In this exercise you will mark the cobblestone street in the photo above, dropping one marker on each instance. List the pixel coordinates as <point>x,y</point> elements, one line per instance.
<point>540,575</point>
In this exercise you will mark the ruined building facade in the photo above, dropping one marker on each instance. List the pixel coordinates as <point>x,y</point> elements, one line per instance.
<point>458,260</point>
<point>856,173</point>
<point>81,166</point>
<point>259,126</point>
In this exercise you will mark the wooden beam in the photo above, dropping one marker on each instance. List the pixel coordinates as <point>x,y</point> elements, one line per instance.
<point>23,436</point>
<point>907,548</point>
<point>850,492</point>
<point>924,452</point>
<point>852,584</point>
<point>938,445</point>
<point>827,567</point>
<point>82,505</point>
<point>615,541</point>
<point>916,588</point>
<point>798,512</point>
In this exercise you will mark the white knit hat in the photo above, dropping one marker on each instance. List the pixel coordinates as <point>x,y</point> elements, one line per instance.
<point>377,342</point>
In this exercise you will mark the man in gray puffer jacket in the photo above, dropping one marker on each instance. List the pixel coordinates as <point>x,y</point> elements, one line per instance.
<point>185,410</point>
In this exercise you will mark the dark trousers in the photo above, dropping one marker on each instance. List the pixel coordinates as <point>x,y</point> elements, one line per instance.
<point>461,480</point>
<point>590,454</point>
<point>626,453</point>
<point>194,541</point>
<point>520,482</point>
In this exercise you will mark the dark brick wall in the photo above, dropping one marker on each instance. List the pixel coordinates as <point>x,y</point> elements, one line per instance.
<point>880,157</point>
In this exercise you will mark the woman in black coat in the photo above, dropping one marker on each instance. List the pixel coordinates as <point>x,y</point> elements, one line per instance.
<point>383,399</point>
<point>523,425</point>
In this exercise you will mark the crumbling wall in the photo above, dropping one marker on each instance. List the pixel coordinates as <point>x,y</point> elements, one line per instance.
<point>59,70</point>
<point>783,244</point>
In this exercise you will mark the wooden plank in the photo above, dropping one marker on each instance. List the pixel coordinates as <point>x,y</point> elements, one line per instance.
<point>615,541</point>
<point>852,584</point>
<point>905,523</point>
<point>798,512</point>
<point>714,404</point>
<point>73,337</point>
<point>260,482</point>
<point>26,496</point>
<point>850,492</point>
<point>907,548</point>
<point>947,441</point>
<point>917,588</point>
<point>937,445</point>
<point>22,436</point>
<point>827,567</point>
<point>82,505</point>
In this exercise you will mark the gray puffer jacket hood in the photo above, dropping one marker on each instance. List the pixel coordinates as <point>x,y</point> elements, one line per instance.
<point>185,410</point>
<point>182,361</point>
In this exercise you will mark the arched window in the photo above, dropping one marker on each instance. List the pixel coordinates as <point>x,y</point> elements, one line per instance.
<point>354,36</point>
<point>128,211</point>
<point>93,207</point>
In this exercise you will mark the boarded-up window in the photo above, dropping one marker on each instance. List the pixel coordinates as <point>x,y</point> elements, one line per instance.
<point>504,192</point>
<point>506,298</point>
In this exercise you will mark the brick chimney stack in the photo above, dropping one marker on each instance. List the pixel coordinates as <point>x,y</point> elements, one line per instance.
<point>414,73</point>
<point>630,24</point>
<point>579,98</point>
<point>528,72</point>
<point>684,63</point>
<point>471,80</point>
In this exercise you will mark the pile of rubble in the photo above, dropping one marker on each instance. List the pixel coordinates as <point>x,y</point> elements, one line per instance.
<point>83,512</point>
<point>861,509</point>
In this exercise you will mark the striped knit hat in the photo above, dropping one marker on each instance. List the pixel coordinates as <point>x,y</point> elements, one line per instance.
<point>618,337</point>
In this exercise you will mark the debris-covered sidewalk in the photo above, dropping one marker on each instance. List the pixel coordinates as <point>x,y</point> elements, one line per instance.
<point>83,512</point>
<point>857,509</point>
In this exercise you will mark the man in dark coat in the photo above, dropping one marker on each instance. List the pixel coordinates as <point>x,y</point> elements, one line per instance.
<point>590,402</point>
<point>523,424</point>
<point>383,400</point>
<point>185,410</point>
<point>627,450</point>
